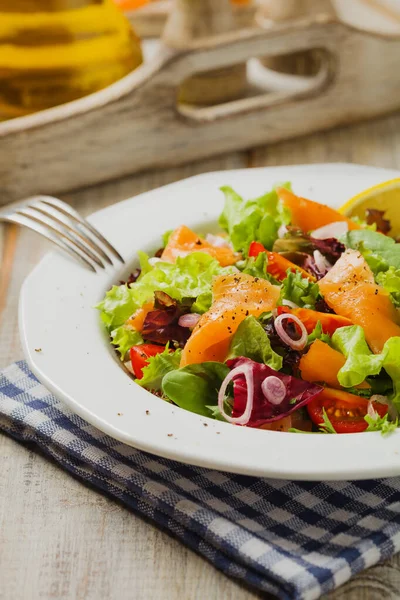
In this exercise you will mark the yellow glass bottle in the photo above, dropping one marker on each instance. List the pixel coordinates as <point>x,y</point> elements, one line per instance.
<point>55,51</point>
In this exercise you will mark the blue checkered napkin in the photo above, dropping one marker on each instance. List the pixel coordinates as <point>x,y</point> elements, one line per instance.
<point>294,540</point>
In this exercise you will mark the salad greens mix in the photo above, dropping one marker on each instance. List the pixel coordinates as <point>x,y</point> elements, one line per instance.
<point>287,320</point>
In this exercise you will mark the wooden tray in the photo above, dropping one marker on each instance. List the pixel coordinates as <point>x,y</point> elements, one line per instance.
<point>136,124</point>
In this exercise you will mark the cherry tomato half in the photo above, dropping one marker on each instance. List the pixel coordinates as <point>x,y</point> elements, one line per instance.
<point>140,356</point>
<point>345,411</point>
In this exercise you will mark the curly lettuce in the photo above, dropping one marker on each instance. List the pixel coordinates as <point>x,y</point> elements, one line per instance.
<point>123,338</point>
<point>362,363</point>
<point>256,266</point>
<point>299,290</point>
<point>158,366</point>
<point>390,280</point>
<point>189,277</point>
<point>253,220</point>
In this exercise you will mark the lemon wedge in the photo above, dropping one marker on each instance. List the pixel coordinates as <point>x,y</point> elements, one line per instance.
<point>384,196</point>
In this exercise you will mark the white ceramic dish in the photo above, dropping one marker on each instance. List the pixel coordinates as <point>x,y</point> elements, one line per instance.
<point>79,366</point>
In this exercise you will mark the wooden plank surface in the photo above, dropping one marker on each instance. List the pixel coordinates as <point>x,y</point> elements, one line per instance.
<point>62,540</point>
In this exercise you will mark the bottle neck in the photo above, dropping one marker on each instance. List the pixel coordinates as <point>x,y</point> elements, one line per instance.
<point>196,19</point>
<point>30,6</point>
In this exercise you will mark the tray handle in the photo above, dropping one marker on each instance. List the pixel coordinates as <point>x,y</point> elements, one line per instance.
<point>226,50</point>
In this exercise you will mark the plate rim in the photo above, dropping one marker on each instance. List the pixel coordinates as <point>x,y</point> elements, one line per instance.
<point>175,451</point>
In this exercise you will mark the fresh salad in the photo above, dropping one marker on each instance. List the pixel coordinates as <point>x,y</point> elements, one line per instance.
<point>286,320</point>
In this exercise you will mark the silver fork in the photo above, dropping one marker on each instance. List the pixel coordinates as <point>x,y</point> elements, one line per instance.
<point>64,226</point>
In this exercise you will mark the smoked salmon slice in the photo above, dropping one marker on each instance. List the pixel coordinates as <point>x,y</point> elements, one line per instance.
<point>350,290</point>
<point>184,241</point>
<point>235,297</point>
<point>310,215</point>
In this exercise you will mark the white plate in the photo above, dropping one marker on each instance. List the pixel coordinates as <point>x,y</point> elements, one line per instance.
<point>79,366</point>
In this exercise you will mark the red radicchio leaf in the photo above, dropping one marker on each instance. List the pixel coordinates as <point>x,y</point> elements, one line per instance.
<point>331,248</point>
<point>375,216</point>
<point>291,358</point>
<point>299,248</point>
<point>321,306</point>
<point>298,394</point>
<point>161,324</point>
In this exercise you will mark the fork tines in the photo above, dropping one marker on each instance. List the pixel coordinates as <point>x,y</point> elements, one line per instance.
<point>64,226</point>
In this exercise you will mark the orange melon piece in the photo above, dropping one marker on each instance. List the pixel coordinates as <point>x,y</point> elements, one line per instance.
<point>234,298</point>
<point>310,215</point>
<point>136,321</point>
<point>322,363</point>
<point>184,241</point>
<point>350,290</point>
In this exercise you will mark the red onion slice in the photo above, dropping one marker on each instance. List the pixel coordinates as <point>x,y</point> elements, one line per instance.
<point>217,241</point>
<point>274,390</point>
<point>322,263</point>
<point>247,371</point>
<point>190,320</point>
<point>332,230</point>
<point>294,344</point>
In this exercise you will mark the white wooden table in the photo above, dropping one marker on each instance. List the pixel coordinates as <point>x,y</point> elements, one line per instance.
<point>62,540</point>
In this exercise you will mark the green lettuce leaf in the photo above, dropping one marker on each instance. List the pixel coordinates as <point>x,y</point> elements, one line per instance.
<point>216,414</point>
<point>361,363</point>
<point>382,424</point>
<point>256,266</point>
<point>158,366</point>
<point>117,306</point>
<point>123,338</point>
<point>240,219</point>
<point>251,340</point>
<point>165,237</point>
<point>376,263</point>
<point>391,364</point>
<point>144,263</point>
<point>318,334</point>
<point>299,290</point>
<point>258,219</point>
<point>202,303</point>
<point>325,427</point>
<point>189,277</point>
<point>390,280</point>
<point>380,251</point>
<point>195,387</point>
